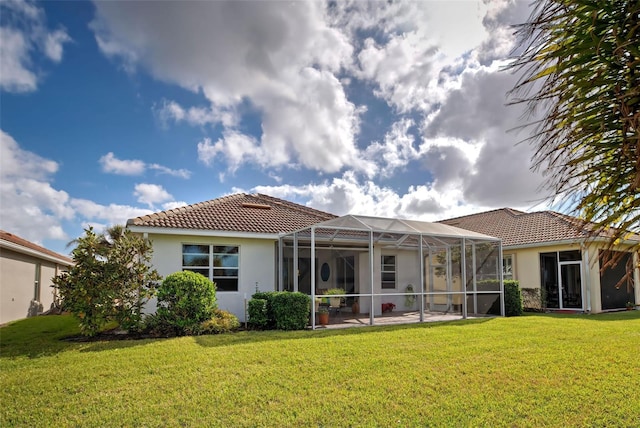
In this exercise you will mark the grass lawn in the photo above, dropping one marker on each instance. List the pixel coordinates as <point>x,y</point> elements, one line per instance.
<point>536,370</point>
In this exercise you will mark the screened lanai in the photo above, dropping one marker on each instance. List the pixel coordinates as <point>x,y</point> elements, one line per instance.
<point>382,267</point>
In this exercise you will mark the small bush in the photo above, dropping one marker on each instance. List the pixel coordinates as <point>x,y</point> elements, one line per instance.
<point>291,310</point>
<point>222,322</point>
<point>512,298</point>
<point>185,300</point>
<point>268,296</point>
<point>258,318</point>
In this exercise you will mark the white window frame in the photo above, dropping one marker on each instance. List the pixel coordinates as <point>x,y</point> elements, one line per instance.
<point>384,265</point>
<point>210,268</point>
<point>507,267</point>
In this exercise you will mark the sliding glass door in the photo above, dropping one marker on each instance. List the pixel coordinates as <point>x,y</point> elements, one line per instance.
<point>561,279</point>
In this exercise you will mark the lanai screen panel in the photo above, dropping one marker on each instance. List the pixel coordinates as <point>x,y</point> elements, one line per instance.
<point>448,263</point>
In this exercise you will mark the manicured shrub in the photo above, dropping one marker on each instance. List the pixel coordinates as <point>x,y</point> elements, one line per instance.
<point>291,310</point>
<point>268,296</point>
<point>221,322</point>
<point>258,314</point>
<point>512,298</point>
<point>185,300</point>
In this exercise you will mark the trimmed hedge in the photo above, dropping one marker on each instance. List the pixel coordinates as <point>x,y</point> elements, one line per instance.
<point>291,310</point>
<point>185,300</point>
<point>258,318</point>
<point>512,297</point>
<point>281,310</point>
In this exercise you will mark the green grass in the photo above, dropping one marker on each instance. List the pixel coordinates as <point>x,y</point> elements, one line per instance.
<point>540,370</point>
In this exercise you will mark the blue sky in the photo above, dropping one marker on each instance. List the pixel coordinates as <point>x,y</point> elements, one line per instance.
<point>110,110</point>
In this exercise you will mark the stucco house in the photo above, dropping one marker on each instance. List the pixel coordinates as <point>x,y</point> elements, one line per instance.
<point>26,270</point>
<point>552,253</point>
<point>247,243</point>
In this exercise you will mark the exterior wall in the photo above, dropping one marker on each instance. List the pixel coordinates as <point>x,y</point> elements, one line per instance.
<point>17,285</point>
<point>407,272</point>
<point>526,269</point>
<point>257,266</point>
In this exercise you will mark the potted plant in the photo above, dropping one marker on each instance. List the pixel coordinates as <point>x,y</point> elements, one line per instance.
<point>630,306</point>
<point>323,315</point>
<point>334,302</point>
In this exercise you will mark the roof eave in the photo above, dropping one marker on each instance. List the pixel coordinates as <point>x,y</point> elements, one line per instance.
<point>201,232</point>
<point>35,253</point>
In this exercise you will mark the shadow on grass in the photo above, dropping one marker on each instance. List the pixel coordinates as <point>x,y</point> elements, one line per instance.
<point>253,336</point>
<point>607,316</point>
<point>48,335</point>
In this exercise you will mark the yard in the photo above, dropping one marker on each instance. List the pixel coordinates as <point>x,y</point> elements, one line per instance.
<point>535,370</point>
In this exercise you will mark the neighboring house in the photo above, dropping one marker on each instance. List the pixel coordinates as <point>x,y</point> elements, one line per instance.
<point>26,270</point>
<point>553,252</point>
<point>245,243</point>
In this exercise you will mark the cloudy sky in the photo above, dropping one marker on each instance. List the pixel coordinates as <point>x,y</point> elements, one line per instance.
<point>110,110</point>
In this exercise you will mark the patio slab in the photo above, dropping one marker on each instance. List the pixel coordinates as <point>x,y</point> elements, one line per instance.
<point>345,320</point>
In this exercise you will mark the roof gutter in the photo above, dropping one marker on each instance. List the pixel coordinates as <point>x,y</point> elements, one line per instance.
<point>582,241</point>
<point>201,232</point>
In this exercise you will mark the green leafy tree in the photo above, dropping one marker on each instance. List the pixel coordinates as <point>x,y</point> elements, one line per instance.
<point>580,67</point>
<point>110,281</point>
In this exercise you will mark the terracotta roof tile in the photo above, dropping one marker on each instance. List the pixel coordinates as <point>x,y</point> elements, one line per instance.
<point>9,237</point>
<point>241,212</point>
<point>520,228</point>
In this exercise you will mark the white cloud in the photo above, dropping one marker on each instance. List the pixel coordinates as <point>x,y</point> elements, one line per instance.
<point>172,111</point>
<point>114,165</point>
<point>151,194</point>
<point>351,195</point>
<point>109,214</point>
<point>33,209</point>
<point>395,152</point>
<point>111,164</point>
<point>173,204</point>
<point>281,60</point>
<point>24,34</point>
<point>234,146</point>
<point>180,173</point>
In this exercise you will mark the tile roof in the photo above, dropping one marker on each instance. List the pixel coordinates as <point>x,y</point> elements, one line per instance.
<point>240,212</point>
<point>520,228</point>
<point>9,237</point>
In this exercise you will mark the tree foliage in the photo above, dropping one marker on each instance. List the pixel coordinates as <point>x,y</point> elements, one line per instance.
<point>185,300</point>
<point>110,281</point>
<point>580,67</point>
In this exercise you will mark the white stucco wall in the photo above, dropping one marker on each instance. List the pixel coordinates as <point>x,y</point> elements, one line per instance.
<point>257,264</point>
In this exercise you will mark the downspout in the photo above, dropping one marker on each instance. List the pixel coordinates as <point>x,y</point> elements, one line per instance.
<point>313,275</point>
<point>587,275</point>
<point>500,275</point>
<point>280,264</point>
<point>295,261</point>
<point>463,277</point>
<point>422,284</point>
<point>371,318</point>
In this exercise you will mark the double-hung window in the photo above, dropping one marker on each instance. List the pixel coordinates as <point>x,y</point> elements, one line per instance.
<point>219,263</point>
<point>389,272</point>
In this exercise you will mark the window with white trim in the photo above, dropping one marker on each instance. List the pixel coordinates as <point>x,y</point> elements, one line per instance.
<point>219,263</point>
<point>507,267</point>
<point>388,272</point>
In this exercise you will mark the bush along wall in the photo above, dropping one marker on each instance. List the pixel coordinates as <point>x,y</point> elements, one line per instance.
<point>512,297</point>
<point>281,310</point>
